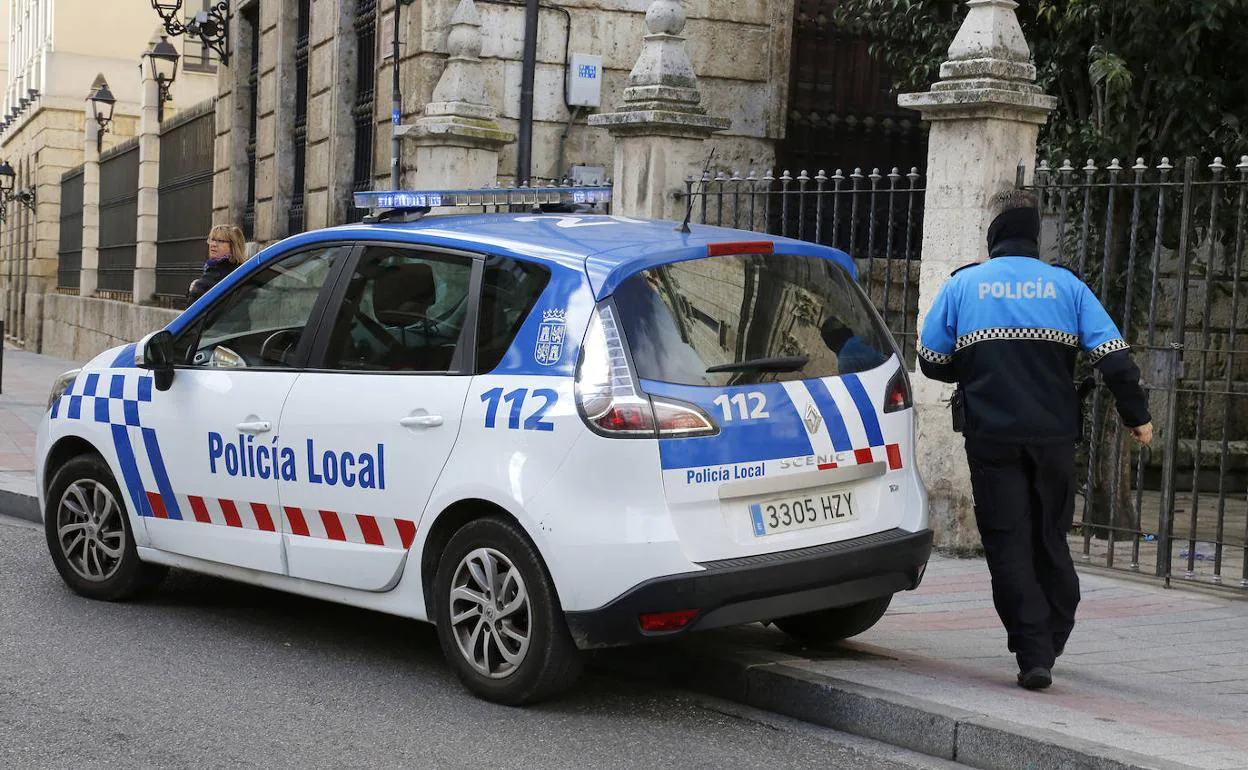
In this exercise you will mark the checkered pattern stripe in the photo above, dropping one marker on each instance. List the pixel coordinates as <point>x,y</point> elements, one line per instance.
<point>358,528</point>
<point>1017,335</point>
<point>1104,349</point>
<point>890,453</point>
<point>932,357</point>
<point>111,399</point>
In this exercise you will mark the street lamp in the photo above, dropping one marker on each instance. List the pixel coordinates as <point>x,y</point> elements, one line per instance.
<point>162,59</point>
<point>102,103</point>
<point>211,26</point>
<point>24,196</point>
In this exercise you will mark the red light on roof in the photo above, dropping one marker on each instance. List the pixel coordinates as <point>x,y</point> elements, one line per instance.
<point>658,622</point>
<point>743,247</point>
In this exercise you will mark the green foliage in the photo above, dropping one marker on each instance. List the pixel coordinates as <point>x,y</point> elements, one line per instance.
<point>1132,77</point>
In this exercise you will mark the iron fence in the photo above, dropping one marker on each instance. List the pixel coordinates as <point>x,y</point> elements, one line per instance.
<point>119,210</point>
<point>875,218</point>
<point>185,194</point>
<point>1164,249</point>
<point>69,252</point>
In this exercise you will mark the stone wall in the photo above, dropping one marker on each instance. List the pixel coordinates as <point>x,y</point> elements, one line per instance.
<point>78,328</point>
<point>739,50</point>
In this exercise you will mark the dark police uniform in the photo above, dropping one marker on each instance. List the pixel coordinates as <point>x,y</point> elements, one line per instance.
<point>1008,332</point>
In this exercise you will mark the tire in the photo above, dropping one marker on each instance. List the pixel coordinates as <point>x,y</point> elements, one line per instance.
<point>833,625</point>
<point>542,660</point>
<point>88,534</point>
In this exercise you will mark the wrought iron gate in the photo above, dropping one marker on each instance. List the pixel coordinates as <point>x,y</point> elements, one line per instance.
<point>842,111</point>
<point>1165,250</point>
<point>119,200</point>
<point>186,166</point>
<point>69,253</point>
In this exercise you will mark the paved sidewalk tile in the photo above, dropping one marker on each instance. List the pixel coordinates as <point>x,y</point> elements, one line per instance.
<point>1148,670</point>
<point>24,386</point>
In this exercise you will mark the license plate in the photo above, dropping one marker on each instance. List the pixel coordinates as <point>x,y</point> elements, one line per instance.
<point>801,512</point>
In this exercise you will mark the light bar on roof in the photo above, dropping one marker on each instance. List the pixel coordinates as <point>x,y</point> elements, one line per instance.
<point>487,196</point>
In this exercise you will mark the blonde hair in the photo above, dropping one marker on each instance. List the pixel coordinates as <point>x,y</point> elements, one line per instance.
<point>238,243</point>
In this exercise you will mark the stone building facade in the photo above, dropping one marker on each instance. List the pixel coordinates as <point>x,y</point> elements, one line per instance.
<point>55,50</point>
<point>293,113</point>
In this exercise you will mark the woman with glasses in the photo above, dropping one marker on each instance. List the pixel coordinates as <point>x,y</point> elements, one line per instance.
<point>226,250</point>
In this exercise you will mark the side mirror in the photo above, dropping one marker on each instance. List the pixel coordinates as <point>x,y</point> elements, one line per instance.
<point>155,352</point>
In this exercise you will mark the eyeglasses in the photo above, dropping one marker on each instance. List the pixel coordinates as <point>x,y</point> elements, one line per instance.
<point>217,240</point>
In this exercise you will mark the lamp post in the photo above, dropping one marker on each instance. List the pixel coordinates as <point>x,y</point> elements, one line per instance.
<point>162,60</point>
<point>8,177</point>
<point>211,26</point>
<point>102,104</point>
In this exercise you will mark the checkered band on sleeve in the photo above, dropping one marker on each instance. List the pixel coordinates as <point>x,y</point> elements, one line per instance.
<point>1017,335</point>
<point>932,357</point>
<point>1104,349</point>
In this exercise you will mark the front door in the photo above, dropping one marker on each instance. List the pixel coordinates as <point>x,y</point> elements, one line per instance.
<point>376,420</point>
<point>215,453</point>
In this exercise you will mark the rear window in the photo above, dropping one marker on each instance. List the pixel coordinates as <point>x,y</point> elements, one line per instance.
<point>767,318</point>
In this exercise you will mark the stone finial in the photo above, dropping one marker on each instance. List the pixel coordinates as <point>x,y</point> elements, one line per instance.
<point>461,89</point>
<point>989,68</point>
<point>662,90</point>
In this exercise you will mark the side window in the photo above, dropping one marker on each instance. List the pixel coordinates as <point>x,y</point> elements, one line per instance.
<point>509,291</point>
<point>262,321</point>
<point>403,311</point>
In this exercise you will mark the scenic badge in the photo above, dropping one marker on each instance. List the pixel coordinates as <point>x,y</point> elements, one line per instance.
<point>550,337</point>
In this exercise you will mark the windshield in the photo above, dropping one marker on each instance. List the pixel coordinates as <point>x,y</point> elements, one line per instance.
<point>749,319</point>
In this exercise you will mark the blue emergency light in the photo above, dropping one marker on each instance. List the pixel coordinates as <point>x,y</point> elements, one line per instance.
<point>413,200</point>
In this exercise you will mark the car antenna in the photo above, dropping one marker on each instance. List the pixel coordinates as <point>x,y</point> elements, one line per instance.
<point>684,226</point>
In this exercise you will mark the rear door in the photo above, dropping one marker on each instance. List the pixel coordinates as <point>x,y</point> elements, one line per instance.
<point>787,356</point>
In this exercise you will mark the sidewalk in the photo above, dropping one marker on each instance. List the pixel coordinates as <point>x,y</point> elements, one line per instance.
<point>1152,678</point>
<point>26,380</point>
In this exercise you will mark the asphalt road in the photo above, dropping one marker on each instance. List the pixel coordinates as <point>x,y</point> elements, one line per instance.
<point>211,673</point>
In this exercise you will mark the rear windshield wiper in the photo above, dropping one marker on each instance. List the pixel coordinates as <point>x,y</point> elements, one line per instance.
<point>777,364</point>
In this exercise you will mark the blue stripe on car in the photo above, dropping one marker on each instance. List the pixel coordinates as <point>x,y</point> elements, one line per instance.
<point>866,409</point>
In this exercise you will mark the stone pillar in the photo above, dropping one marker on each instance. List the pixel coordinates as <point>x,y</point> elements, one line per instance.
<point>149,195</point>
<point>457,141</point>
<point>985,113</point>
<point>89,275</point>
<point>660,128</point>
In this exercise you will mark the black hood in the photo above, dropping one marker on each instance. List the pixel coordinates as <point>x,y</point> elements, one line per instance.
<point>1015,233</point>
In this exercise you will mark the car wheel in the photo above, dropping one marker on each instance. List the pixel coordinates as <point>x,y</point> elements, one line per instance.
<point>498,617</point>
<point>88,534</point>
<point>833,625</point>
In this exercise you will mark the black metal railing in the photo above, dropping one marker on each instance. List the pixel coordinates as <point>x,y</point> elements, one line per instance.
<point>295,218</point>
<point>875,218</point>
<point>1164,248</point>
<point>185,194</point>
<point>251,18</point>
<point>363,109</point>
<point>119,211</point>
<point>69,251</point>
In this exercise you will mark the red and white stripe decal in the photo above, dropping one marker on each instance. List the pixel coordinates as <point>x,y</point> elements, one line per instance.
<point>363,529</point>
<point>890,452</point>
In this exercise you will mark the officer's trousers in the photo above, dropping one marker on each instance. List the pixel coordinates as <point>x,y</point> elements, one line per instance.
<point>1024,506</point>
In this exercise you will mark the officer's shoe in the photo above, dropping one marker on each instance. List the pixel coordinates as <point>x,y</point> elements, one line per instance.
<point>1035,678</point>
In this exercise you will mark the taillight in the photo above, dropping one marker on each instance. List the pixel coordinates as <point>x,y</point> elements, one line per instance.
<point>897,396</point>
<point>609,400</point>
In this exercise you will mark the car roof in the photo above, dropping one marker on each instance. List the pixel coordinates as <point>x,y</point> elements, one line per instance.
<point>608,248</point>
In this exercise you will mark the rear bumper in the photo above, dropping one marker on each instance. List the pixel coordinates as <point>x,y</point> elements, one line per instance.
<point>750,589</point>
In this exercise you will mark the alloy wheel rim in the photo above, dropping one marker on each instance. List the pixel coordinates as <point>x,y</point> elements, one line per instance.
<point>491,616</point>
<point>91,530</point>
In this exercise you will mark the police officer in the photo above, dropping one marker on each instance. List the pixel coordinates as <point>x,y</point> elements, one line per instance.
<point>1007,331</point>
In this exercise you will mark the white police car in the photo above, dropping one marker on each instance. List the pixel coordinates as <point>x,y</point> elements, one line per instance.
<point>544,433</point>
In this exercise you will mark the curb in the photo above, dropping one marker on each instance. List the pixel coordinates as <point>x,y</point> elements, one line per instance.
<point>19,505</point>
<point>774,682</point>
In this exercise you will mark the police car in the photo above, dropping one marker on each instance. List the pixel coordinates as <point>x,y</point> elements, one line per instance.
<point>544,432</point>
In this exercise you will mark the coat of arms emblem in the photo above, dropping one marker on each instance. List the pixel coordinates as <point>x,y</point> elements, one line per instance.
<point>550,337</point>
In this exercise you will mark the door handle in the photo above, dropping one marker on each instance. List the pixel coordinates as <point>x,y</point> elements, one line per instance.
<point>421,421</point>
<point>257,426</point>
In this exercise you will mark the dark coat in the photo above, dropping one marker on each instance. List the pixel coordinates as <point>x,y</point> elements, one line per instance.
<point>214,271</point>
